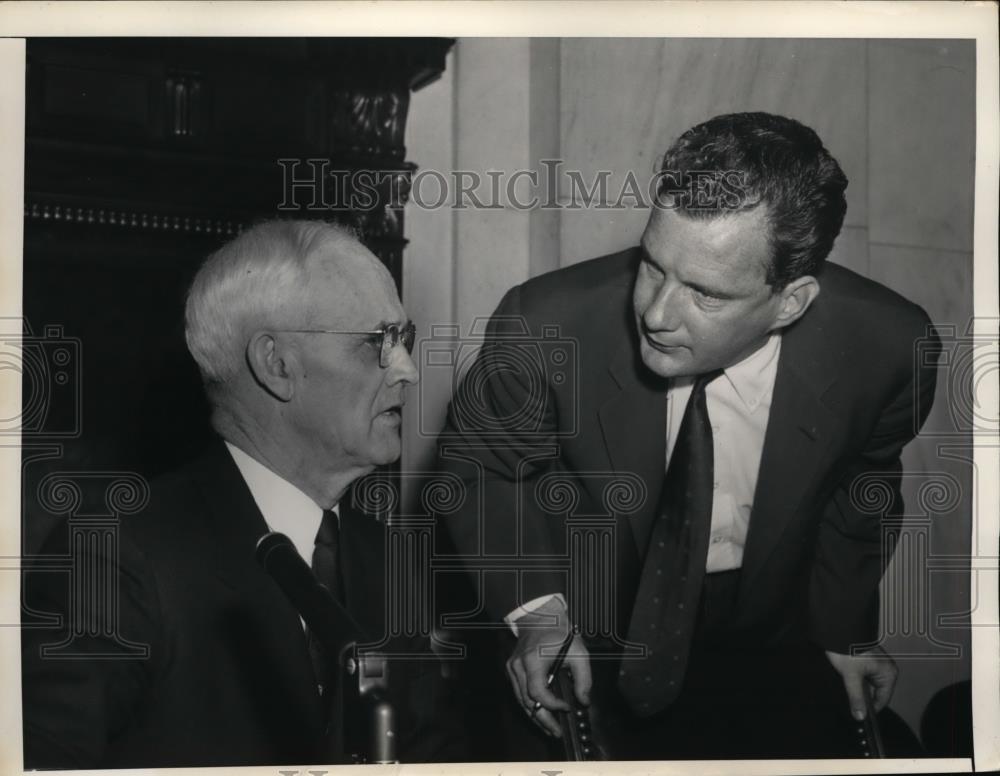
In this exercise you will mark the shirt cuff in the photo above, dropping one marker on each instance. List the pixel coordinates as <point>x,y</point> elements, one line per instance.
<point>532,605</point>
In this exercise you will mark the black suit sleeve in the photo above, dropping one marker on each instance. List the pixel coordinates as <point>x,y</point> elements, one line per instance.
<point>85,679</point>
<point>433,713</point>
<point>850,551</point>
<point>500,435</point>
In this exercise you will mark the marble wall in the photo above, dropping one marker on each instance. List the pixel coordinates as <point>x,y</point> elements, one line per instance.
<point>898,114</point>
<point>624,101</point>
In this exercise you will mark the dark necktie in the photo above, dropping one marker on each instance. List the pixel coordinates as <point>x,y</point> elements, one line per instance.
<point>667,598</point>
<point>326,555</point>
<point>326,567</point>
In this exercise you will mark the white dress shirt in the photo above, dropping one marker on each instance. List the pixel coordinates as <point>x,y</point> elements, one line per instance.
<point>285,508</point>
<point>739,405</point>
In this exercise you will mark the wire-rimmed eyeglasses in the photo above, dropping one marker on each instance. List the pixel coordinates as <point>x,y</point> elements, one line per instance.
<point>389,336</point>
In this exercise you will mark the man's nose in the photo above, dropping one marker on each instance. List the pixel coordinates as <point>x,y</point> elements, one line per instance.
<point>402,368</point>
<point>662,312</point>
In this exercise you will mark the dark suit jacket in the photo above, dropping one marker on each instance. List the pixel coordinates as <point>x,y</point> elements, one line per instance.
<point>846,400</point>
<point>227,679</point>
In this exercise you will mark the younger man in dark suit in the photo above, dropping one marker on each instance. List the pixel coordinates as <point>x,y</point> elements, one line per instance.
<point>752,393</point>
<point>304,348</point>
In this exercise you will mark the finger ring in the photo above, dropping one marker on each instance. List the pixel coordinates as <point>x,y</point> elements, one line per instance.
<point>535,708</point>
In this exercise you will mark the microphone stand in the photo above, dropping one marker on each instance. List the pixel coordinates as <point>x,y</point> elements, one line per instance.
<point>362,722</point>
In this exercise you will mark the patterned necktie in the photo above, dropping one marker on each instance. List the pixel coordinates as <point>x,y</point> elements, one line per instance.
<point>667,599</point>
<point>326,567</point>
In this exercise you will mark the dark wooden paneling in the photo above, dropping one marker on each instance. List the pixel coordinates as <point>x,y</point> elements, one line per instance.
<point>144,155</point>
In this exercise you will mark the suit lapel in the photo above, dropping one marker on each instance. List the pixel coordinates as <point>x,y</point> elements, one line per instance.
<point>633,422</point>
<point>235,521</point>
<point>800,429</point>
<point>261,610</point>
<point>799,432</point>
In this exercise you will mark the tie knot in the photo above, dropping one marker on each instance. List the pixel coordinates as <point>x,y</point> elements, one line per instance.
<point>703,380</point>
<point>329,529</point>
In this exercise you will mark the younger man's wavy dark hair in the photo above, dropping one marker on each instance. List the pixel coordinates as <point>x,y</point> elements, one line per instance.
<point>780,164</point>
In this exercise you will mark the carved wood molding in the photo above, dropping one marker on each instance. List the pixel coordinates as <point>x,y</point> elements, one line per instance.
<point>382,226</point>
<point>55,212</point>
<point>183,97</point>
<point>370,122</point>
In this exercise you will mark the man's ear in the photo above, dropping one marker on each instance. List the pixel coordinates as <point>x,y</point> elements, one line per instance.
<point>272,368</point>
<point>795,300</point>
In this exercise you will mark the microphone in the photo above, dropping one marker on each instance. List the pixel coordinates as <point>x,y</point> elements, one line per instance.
<point>339,635</point>
<point>325,617</point>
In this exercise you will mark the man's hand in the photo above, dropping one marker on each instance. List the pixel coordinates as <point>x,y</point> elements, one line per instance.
<point>528,667</point>
<point>875,667</point>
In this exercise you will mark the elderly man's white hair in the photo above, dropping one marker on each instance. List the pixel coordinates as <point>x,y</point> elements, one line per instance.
<point>246,283</point>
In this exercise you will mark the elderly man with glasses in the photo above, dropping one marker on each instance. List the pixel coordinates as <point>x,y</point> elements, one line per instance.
<point>304,348</point>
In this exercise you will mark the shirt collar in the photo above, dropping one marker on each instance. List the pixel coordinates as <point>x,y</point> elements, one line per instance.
<point>285,508</point>
<point>753,377</point>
